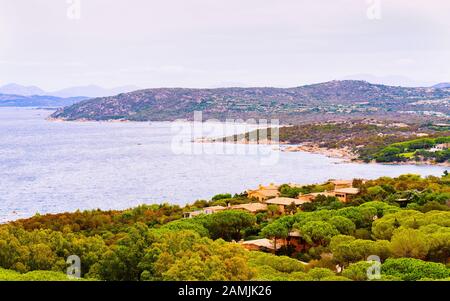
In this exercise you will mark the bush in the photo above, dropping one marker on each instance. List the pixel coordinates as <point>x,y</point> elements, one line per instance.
<point>357,271</point>
<point>410,269</point>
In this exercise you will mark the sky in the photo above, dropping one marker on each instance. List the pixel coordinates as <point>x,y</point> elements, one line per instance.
<point>55,44</point>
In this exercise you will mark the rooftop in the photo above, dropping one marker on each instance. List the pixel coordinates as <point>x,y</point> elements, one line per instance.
<point>252,207</point>
<point>341,182</point>
<point>347,190</point>
<point>285,201</point>
<point>213,208</point>
<point>267,193</point>
<point>264,242</point>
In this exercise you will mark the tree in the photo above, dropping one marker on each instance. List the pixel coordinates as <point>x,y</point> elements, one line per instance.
<point>194,224</point>
<point>185,256</point>
<point>41,257</point>
<point>121,261</point>
<point>290,192</point>
<point>275,230</point>
<point>340,239</point>
<point>281,264</point>
<point>291,208</point>
<point>439,239</point>
<point>409,243</point>
<point>318,232</point>
<point>357,271</point>
<point>410,269</point>
<point>343,224</point>
<point>383,228</point>
<point>229,224</point>
<point>318,274</point>
<point>346,250</point>
<point>360,216</point>
<point>221,197</point>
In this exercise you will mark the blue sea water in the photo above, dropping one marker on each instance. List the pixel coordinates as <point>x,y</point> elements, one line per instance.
<point>51,167</point>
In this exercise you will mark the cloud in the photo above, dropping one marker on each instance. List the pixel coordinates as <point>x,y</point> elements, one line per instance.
<point>204,42</point>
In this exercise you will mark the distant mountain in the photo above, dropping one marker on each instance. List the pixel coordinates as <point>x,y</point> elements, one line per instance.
<point>442,86</point>
<point>15,89</point>
<point>7,100</point>
<point>335,97</point>
<point>85,91</point>
<point>92,91</point>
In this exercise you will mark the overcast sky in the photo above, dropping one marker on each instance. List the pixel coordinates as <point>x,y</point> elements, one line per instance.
<point>210,43</point>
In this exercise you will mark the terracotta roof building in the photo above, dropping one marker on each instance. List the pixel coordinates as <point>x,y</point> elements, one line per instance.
<point>345,194</point>
<point>252,207</point>
<point>338,184</point>
<point>263,193</point>
<point>311,196</point>
<point>207,210</point>
<point>282,203</point>
<point>260,244</point>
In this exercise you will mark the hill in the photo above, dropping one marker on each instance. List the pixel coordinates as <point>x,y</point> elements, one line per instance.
<point>77,91</point>
<point>15,89</point>
<point>442,86</point>
<point>365,140</point>
<point>335,98</point>
<point>7,100</point>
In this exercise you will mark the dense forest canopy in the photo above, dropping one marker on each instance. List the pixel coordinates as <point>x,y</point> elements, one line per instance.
<point>333,239</point>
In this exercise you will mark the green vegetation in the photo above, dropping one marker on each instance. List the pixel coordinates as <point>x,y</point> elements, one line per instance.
<point>9,275</point>
<point>155,243</point>
<point>417,150</point>
<point>369,140</point>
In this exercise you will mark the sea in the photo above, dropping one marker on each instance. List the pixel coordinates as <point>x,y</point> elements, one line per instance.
<point>55,167</point>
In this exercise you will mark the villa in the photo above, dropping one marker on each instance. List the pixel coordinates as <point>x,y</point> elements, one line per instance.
<point>282,203</point>
<point>346,194</point>
<point>343,190</point>
<point>309,197</point>
<point>252,207</point>
<point>338,184</point>
<point>440,147</point>
<point>207,210</point>
<point>263,244</point>
<point>264,193</point>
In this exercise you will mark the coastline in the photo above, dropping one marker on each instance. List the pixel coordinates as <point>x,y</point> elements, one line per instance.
<point>345,154</point>
<point>53,119</point>
<point>348,156</point>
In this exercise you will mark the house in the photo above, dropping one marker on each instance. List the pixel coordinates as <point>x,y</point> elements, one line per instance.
<point>263,244</point>
<point>252,207</point>
<point>440,147</point>
<point>207,210</point>
<point>403,202</point>
<point>282,203</point>
<point>309,197</point>
<point>338,184</point>
<point>263,193</point>
<point>345,194</point>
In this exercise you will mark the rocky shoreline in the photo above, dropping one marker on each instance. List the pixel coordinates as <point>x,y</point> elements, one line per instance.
<point>346,154</point>
<point>339,153</point>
